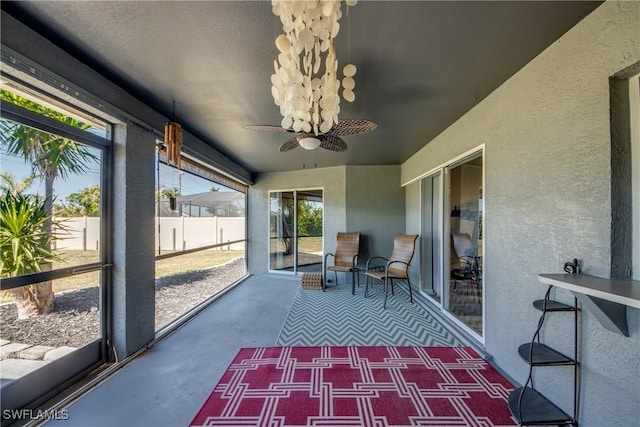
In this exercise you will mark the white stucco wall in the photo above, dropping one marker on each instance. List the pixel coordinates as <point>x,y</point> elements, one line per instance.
<point>547,200</point>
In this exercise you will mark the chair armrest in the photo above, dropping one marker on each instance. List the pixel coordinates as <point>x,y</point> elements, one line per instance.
<point>376,266</point>
<point>326,256</point>
<point>354,262</point>
<point>470,261</point>
<point>386,269</point>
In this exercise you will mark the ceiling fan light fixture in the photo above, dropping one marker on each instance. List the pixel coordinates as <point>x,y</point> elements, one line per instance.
<point>309,142</point>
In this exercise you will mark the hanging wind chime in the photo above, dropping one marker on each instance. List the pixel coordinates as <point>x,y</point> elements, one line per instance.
<point>173,140</point>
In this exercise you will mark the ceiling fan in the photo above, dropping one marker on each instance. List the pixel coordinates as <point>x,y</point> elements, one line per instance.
<point>331,140</point>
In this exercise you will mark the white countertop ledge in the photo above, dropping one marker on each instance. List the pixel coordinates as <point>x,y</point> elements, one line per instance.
<point>625,292</point>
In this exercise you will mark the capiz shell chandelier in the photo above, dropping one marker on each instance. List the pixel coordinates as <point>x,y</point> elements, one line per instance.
<point>305,82</point>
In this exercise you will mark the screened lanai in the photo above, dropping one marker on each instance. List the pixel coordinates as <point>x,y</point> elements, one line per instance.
<point>510,125</point>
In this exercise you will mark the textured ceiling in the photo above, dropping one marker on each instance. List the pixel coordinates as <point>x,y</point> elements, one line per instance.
<point>421,65</point>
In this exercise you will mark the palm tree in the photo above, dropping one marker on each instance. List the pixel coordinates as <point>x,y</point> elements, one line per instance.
<point>51,157</point>
<point>8,182</point>
<point>25,245</point>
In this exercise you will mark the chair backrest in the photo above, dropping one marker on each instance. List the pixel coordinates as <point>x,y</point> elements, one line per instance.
<point>404,246</point>
<point>347,246</point>
<point>462,244</point>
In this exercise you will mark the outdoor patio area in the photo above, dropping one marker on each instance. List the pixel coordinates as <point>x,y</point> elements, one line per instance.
<point>177,374</point>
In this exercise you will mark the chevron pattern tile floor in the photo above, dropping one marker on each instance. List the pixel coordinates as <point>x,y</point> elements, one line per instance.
<point>336,317</point>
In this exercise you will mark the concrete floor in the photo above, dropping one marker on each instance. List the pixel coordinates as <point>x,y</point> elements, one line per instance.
<point>167,385</point>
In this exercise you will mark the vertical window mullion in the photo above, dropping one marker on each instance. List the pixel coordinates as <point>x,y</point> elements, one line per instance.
<point>295,232</point>
<point>634,101</point>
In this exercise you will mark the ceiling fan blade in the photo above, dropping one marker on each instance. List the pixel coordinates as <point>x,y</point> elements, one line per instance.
<point>333,143</point>
<point>289,145</point>
<point>352,127</point>
<point>270,128</point>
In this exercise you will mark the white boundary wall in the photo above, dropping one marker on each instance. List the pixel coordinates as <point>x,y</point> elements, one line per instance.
<point>176,233</point>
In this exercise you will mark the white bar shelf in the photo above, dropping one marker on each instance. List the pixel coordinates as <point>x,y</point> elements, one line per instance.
<point>607,299</point>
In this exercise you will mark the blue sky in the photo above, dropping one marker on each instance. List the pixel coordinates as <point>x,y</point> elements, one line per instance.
<point>169,177</point>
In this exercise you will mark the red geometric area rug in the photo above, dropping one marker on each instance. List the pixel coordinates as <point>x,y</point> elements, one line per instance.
<point>358,386</point>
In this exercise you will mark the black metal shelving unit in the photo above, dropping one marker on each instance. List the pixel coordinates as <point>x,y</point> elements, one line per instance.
<point>528,405</point>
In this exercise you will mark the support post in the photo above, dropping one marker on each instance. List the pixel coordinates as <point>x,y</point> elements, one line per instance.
<point>133,293</point>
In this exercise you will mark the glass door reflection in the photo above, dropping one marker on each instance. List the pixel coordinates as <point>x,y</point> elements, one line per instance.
<point>281,227</point>
<point>465,243</point>
<point>296,230</point>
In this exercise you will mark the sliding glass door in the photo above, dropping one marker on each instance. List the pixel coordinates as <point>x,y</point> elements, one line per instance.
<point>431,240</point>
<point>465,242</point>
<point>451,255</point>
<point>281,240</point>
<point>296,218</point>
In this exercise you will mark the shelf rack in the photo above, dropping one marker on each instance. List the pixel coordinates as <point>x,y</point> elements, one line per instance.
<point>606,299</point>
<point>527,404</point>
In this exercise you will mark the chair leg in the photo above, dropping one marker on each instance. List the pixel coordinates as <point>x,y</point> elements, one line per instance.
<point>384,306</point>
<point>410,292</point>
<point>324,278</point>
<point>477,289</point>
<point>353,282</point>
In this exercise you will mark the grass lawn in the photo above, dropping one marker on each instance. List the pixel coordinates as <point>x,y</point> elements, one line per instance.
<point>310,244</point>
<point>195,261</point>
<point>165,267</point>
<point>305,244</point>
